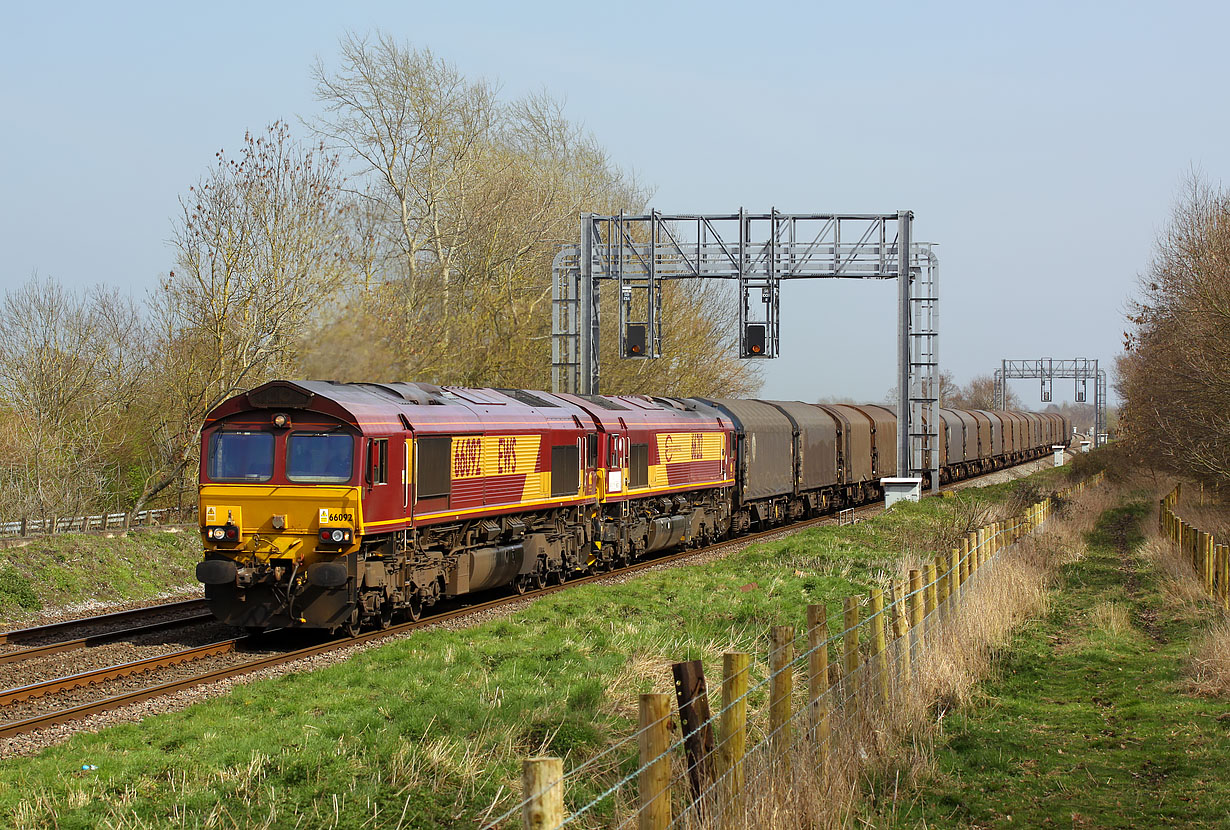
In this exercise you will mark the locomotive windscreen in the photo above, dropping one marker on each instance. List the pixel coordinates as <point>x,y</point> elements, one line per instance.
<point>240,456</point>
<point>321,458</point>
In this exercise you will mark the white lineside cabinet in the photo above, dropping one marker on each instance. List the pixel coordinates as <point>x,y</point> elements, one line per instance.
<point>901,489</point>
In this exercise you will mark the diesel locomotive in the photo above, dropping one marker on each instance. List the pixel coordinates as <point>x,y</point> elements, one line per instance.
<point>339,505</point>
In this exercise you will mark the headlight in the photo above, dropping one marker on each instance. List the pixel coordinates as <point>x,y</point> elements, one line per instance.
<point>338,535</point>
<point>216,533</point>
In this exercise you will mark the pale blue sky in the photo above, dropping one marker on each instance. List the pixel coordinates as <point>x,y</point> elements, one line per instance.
<point>1040,144</point>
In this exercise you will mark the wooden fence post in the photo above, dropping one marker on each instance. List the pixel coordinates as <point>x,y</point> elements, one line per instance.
<point>901,630</point>
<point>1210,563</point>
<point>929,590</point>
<point>1223,579</point>
<point>943,567</point>
<point>916,599</point>
<point>734,725</point>
<point>654,738</point>
<point>781,683</point>
<point>963,564</point>
<point>818,676</point>
<point>542,787</point>
<point>849,647</point>
<point>878,658</point>
<point>692,697</point>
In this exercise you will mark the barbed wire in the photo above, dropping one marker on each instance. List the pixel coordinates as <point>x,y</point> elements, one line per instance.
<point>834,698</point>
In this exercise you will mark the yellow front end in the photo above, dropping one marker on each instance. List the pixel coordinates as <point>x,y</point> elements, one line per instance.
<point>266,564</point>
<point>279,522</point>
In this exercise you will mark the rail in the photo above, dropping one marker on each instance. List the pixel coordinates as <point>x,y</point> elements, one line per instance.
<point>855,679</point>
<point>1210,560</point>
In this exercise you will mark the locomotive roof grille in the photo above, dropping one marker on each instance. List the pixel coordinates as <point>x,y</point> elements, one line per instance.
<point>605,403</point>
<point>280,396</point>
<point>521,396</point>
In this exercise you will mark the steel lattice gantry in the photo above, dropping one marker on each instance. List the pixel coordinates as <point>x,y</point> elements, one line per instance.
<point>758,251</point>
<point>1081,369</point>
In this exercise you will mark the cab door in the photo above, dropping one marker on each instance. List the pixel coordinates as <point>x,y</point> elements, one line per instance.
<point>589,463</point>
<point>407,452</point>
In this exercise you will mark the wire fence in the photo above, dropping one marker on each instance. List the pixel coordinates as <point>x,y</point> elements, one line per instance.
<point>1210,560</point>
<point>100,522</point>
<point>863,667</point>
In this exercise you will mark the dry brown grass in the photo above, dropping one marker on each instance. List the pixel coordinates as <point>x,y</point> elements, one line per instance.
<point>880,746</point>
<point>1181,587</point>
<point>1210,512</point>
<point>1111,618</point>
<point>1209,671</point>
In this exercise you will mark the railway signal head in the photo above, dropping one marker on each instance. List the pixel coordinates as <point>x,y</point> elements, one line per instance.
<point>754,340</point>
<point>635,339</point>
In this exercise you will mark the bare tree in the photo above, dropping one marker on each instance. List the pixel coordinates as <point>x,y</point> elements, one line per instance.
<point>979,393</point>
<point>475,197</point>
<point>1173,377</point>
<point>71,368</point>
<point>261,247</point>
<point>419,126</point>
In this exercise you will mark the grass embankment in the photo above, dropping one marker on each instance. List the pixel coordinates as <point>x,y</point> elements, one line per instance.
<point>1097,716</point>
<point>430,730</point>
<point>70,569</point>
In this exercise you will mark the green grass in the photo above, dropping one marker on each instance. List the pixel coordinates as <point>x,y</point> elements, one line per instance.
<point>1087,723</point>
<point>70,568</point>
<point>433,728</point>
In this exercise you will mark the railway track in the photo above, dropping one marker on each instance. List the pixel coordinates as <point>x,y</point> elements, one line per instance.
<point>41,705</point>
<point>19,655</point>
<point>122,621</point>
<point>59,700</point>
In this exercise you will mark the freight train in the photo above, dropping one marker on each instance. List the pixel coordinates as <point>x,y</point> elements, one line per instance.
<point>339,505</point>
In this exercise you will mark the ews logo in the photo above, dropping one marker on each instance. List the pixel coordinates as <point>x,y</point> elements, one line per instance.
<point>506,460</point>
<point>696,450</point>
<point>468,456</point>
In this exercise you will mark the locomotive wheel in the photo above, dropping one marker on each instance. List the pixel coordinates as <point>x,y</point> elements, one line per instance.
<point>414,609</point>
<point>521,584</point>
<point>354,625</point>
<point>386,615</point>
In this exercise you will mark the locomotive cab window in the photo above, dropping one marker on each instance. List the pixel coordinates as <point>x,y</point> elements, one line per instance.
<point>591,450</point>
<point>240,456</point>
<point>638,466</point>
<point>434,468</point>
<point>320,457</point>
<point>378,461</point>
